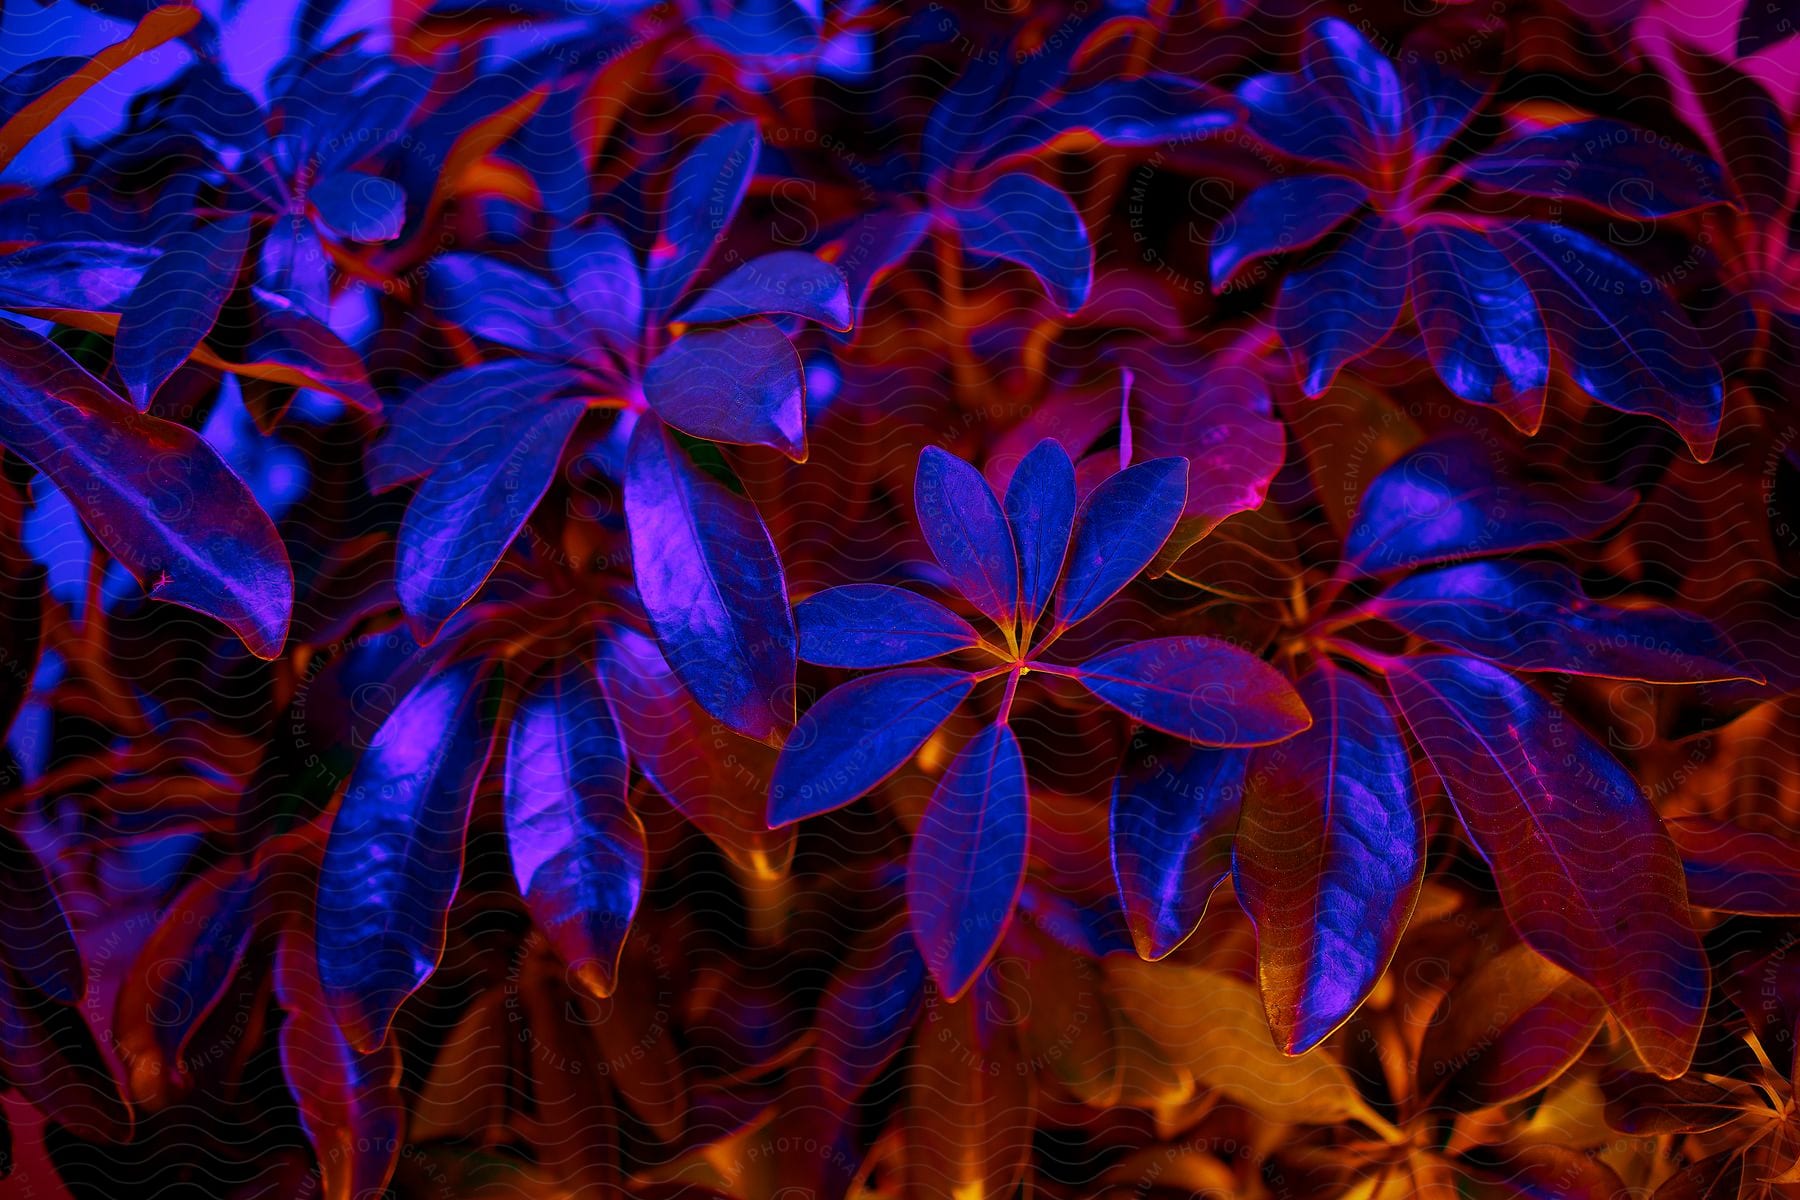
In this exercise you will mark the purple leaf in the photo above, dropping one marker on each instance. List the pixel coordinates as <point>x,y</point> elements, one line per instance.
<point>1120,528</point>
<point>1298,119</point>
<point>1174,813</point>
<point>968,533</point>
<point>423,429</point>
<point>1735,869</point>
<point>702,767</point>
<point>499,303</point>
<point>474,504</point>
<point>600,275</point>
<point>395,853</point>
<point>293,266</point>
<point>876,625</point>
<point>874,244</point>
<point>1587,874</point>
<point>967,861</point>
<point>1611,166</point>
<point>35,938</point>
<point>1197,688</point>
<point>1040,510</point>
<point>1358,81</point>
<point>1619,335</point>
<point>1456,497</point>
<point>787,281</point>
<point>1441,103</point>
<point>1029,222</point>
<point>712,585</point>
<point>1480,323</point>
<point>577,848</point>
<point>859,734</point>
<point>1329,859</point>
<point>304,352</point>
<point>1533,616</point>
<point>359,208</point>
<point>1345,304</point>
<point>1144,111</point>
<point>77,276</point>
<point>1281,217</point>
<point>1221,419</point>
<point>865,1016</point>
<point>151,491</point>
<point>742,384</point>
<point>703,196</point>
<point>175,302</point>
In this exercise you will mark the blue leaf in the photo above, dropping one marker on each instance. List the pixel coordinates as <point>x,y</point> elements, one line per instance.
<point>465,516</point>
<point>358,207</point>
<point>1329,858</point>
<point>175,302</point>
<point>427,425</point>
<point>1458,496</point>
<point>81,276</point>
<point>1281,217</point>
<point>742,384</point>
<point>874,244</point>
<point>709,579</point>
<point>502,304</point>
<point>1586,871</point>
<point>1029,222</point>
<point>967,531</point>
<point>1357,80</point>
<point>1533,616</point>
<point>153,492</point>
<point>1120,528</point>
<point>1299,120</point>
<point>1197,688</point>
<point>704,195</point>
<point>859,734</point>
<point>875,625</point>
<point>1174,813</point>
<point>1040,509</point>
<point>787,281</point>
<point>395,853</point>
<point>577,848</point>
<point>1480,323</point>
<point>967,861</point>
<point>599,273</point>
<point>1605,164</point>
<point>1620,337</point>
<point>292,264</point>
<point>1346,304</point>
<point>1144,111</point>
<point>1442,100</point>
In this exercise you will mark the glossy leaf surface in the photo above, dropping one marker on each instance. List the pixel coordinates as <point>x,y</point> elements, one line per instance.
<point>967,531</point>
<point>857,735</point>
<point>1587,873</point>
<point>740,383</point>
<point>153,492</point>
<point>1535,617</point>
<point>1197,688</point>
<point>967,860</point>
<point>1329,857</point>
<point>1119,530</point>
<point>1174,815</point>
<point>876,625</point>
<point>709,578</point>
<point>577,848</point>
<point>175,302</point>
<point>395,854</point>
